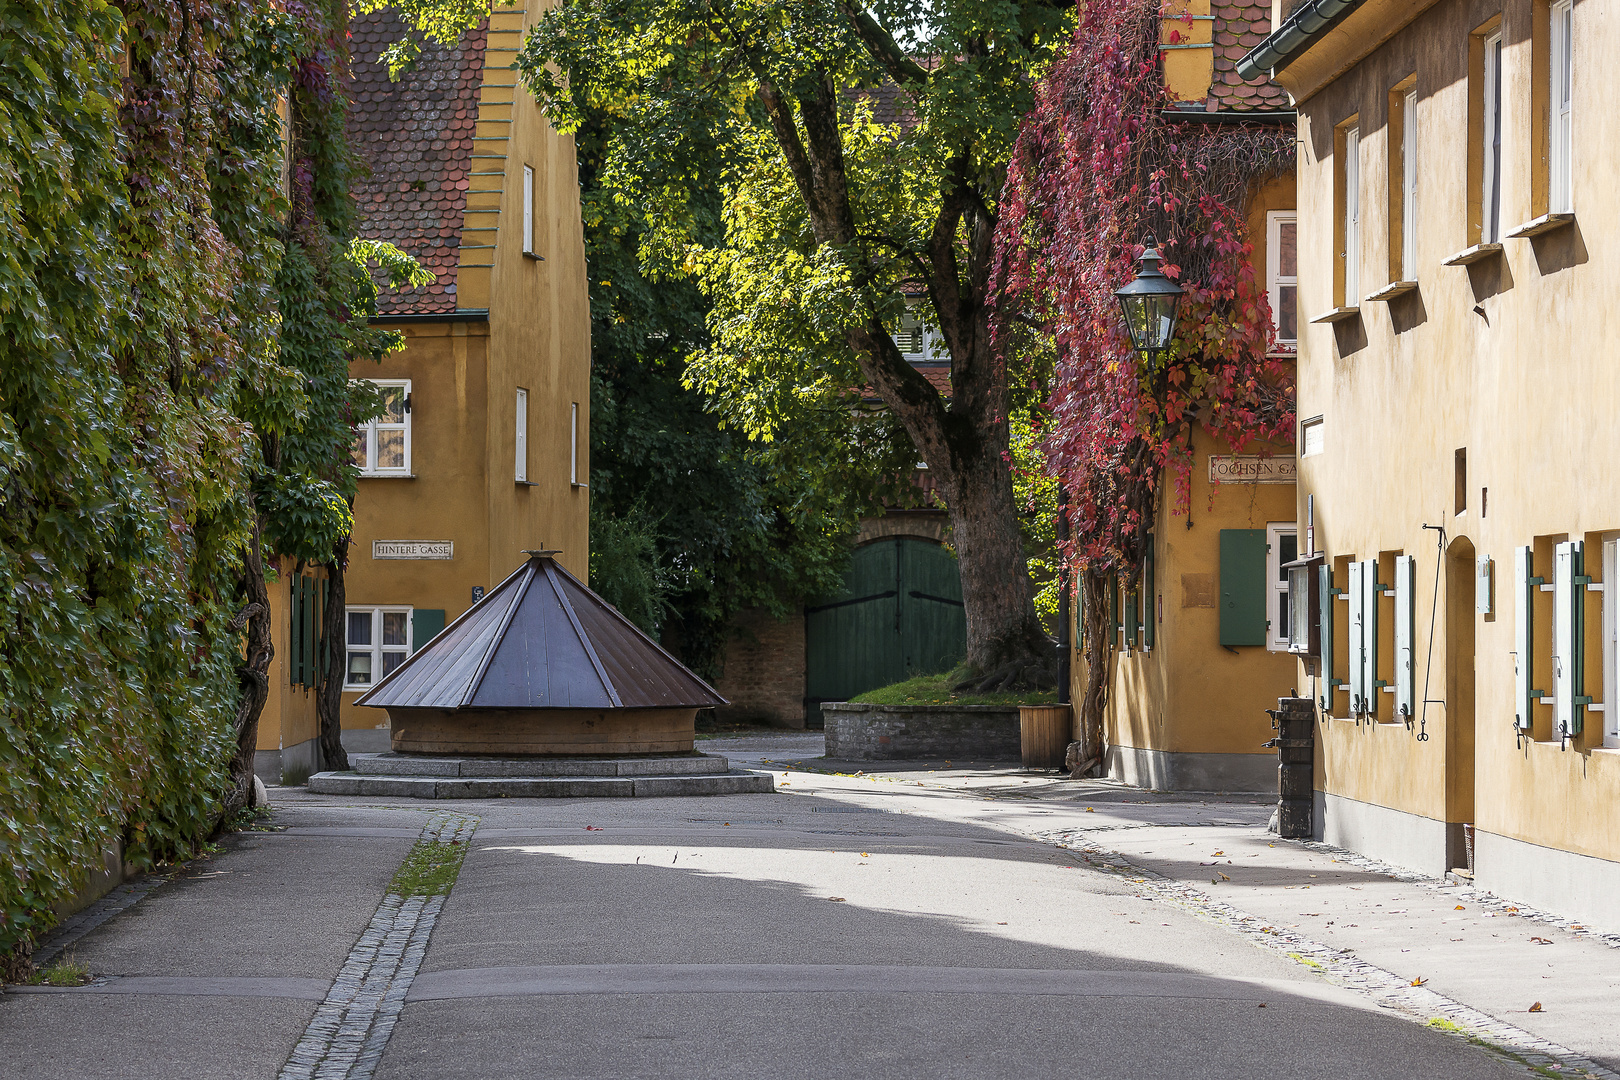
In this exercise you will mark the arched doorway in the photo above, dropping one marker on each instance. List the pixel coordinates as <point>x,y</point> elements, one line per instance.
<point>1460,616</point>
<point>899,614</point>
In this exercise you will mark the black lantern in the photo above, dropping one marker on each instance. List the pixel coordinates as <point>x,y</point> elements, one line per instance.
<point>1149,303</point>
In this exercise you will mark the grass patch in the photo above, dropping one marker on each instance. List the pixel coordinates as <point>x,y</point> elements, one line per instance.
<point>430,869</point>
<point>1307,961</point>
<point>1446,1025</point>
<point>68,971</point>
<point>937,690</point>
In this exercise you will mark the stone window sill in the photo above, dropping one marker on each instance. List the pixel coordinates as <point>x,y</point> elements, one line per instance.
<point>1470,256</point>
<point>1338,314</point>
<point>1391,291</point>
<point>1542,225</point>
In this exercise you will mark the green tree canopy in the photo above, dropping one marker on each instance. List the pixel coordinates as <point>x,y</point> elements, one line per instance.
<point>862,151</point>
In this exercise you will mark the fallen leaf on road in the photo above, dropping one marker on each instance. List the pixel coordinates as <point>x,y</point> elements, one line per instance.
<point>1261,1005</point>
<point>593,828</point>
<point>1224,877</point>
<point>1542,940</point>
<point>1218,853</point>
<point>836,899</point>
<point>727,824</point>
<point>1001,924</point>
<point>1459,907</point>
<point>1535,1008</point>
<point>1419,981</point>
<point>1089,810</point>
<point>864,855</point>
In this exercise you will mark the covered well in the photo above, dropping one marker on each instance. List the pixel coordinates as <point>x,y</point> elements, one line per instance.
<point>542,665</point>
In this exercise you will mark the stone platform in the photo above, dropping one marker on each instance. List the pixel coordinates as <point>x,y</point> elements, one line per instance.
<point>417,776</point>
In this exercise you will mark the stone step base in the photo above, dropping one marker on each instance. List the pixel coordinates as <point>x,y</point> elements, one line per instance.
<point>528,768</point>
<point>539,787</point>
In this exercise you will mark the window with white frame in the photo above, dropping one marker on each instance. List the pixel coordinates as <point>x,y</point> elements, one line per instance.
<point>1352,216</point>
<point>382,447</point>
<point>1409,185</point>
<point>522,435</point>
<point>1560,196</point>
<point>1611,640</point>
<point>1490,192</point>
<point>528,209</point>
<point>916,338</point>
<point>1282,276</point>
<point>1282,547</point>
<point>378,641</point>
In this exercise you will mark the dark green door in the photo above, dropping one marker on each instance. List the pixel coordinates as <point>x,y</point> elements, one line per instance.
<point>899,614</point>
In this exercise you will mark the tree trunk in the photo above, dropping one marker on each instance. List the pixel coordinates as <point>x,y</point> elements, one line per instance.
<point>1098,654</point>
<point>329,696</point>
<point>253,676</point>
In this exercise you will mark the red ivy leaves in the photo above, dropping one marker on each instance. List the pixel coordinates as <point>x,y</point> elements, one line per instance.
<point>1097,167</point>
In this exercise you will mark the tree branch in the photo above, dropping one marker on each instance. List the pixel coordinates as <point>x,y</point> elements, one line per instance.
<point>884,49</point>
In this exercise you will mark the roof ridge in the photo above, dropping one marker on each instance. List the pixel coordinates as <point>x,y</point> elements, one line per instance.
<point>499,636</point>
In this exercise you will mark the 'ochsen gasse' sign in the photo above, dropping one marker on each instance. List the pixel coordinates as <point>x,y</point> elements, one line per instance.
<point>1252,469</point>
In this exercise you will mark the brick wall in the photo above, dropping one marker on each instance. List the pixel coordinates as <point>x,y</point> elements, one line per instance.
<point>764,669</point>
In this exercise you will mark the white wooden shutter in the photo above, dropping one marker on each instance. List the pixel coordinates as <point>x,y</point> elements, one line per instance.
<point>1569,605</point>
<point>1405,643</point>
<point>1354,643</point>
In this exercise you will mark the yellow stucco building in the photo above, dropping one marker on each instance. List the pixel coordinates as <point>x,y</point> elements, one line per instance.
<point>1459,276</point>
<point>483,449</point>
<point>1199,651</point>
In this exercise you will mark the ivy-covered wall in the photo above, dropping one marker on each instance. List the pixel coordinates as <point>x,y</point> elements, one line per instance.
<point>152,421</point>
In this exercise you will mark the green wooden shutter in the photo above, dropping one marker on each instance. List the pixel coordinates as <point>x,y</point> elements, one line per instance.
<point>425,623</point>
<point>1113,612</point>
<point>295,631</point>
<point>1243,586</point>
<point>1325,594</point>
<point>1132,599</point>
<point>309,631</point>
<point>1150,590</point>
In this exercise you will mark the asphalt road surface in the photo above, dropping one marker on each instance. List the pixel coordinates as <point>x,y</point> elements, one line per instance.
<point>837,928</point>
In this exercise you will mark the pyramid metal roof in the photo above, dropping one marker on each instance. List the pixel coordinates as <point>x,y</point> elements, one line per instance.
<point>541,640</point>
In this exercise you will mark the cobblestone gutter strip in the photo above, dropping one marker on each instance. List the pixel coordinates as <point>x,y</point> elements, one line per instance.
<point>87,919</point>
<point>346,1038</point>
<point>1507,1042</point>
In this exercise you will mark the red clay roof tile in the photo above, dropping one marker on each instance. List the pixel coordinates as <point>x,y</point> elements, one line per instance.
<point>415,137</point>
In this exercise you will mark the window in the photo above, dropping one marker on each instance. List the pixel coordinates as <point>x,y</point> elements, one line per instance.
<point>522,435</point>
<point>1282,547</point>
<point>379,640</point>
<point>1560,195</point>
<point>916,339</point>
<point>1409,182</point>
<point>573,444</point>
<point>1312,437</point>
<point>382,447</point>
<point>528,210</point>
<point>1282,275</point>
<point>1351,227</point>
<point>1490,192</point>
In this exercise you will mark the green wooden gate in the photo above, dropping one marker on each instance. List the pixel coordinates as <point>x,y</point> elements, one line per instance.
<point>899,614</point>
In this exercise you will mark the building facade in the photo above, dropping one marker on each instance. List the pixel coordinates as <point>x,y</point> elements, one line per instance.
<point>483,449</point>
<point>1458,275</point>
<point>1199,649</point>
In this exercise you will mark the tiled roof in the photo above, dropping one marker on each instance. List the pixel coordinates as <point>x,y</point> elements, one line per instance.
<point>416,137</point>
<point>1239,27</point>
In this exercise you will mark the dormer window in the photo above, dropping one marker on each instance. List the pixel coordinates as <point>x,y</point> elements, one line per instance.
<point>918,342</point>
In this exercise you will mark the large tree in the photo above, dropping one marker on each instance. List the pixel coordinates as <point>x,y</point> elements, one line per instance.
<point>692,520</point>
<point>864,148</point>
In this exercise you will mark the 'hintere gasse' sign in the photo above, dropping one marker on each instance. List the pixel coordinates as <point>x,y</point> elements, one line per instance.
<point>413,549</point>
<point>1252,469</point>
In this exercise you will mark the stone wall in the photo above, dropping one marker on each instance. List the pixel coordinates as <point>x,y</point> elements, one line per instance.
<point>921,733</point>
<point>764,669</point>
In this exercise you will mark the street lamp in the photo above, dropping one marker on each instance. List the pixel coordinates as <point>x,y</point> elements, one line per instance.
<point>1149,303</point>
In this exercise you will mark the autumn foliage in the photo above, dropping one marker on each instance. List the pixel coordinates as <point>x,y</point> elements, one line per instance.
<point>1097,168</point>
